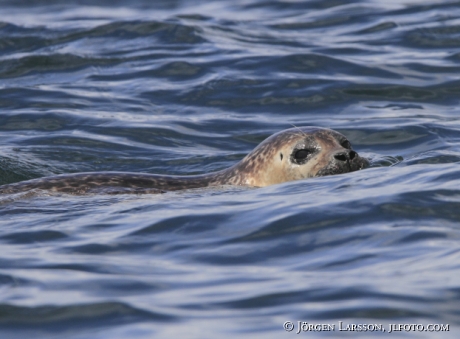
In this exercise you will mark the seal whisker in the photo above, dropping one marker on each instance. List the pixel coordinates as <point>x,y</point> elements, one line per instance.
<point>298,129</point>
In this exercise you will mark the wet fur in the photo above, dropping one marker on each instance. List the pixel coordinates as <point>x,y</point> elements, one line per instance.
<point>269,163</point>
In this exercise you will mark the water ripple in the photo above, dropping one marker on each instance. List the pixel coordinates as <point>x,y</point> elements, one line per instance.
<point>187,87</point>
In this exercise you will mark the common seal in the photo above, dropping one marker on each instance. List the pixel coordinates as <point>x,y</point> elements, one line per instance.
<point>292,154</point>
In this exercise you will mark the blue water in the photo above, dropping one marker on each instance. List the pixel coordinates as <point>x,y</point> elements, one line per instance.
<point>188,87</point>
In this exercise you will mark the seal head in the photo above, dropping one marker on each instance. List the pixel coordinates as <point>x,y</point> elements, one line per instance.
<point>295,154</point>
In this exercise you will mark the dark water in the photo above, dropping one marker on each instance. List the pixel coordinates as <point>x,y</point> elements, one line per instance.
<point>186,87</point>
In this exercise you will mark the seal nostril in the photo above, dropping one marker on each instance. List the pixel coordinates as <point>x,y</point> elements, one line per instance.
<point>340,156</point>
<point>345,156</point>
<point>352,154</point>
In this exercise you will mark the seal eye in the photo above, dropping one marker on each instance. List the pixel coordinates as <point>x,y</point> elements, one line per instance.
<point>301,154</point>
<point>345,144</point>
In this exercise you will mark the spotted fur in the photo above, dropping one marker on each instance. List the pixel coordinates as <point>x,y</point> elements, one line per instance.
<point>263,166</point>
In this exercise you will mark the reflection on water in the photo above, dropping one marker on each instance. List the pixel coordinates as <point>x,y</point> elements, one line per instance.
<point>186,87</point>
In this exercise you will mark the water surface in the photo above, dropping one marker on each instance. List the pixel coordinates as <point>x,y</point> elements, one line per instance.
<point>187,87</point>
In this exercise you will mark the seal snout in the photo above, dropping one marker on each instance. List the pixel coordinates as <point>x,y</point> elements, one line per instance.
<point>343,161</point>
<point>344,158</point>
<point>345,155</point>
